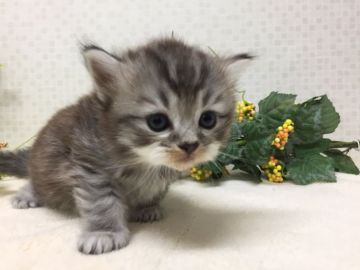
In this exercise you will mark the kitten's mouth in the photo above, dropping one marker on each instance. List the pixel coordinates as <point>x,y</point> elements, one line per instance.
<point>183,162</point>
<point>175,159</point>
<point>187,158</point>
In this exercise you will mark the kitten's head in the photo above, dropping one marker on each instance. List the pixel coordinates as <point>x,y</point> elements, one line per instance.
<point>171,103</point>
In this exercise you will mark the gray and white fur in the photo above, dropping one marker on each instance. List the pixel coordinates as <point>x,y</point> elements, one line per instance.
<point>106,158</point>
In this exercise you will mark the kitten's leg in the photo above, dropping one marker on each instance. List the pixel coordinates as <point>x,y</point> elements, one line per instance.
<point>146,214</point>
<point>25,198</point>
<point>101,206</point>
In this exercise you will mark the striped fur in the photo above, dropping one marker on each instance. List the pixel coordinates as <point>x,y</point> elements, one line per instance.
<point>99,157</point>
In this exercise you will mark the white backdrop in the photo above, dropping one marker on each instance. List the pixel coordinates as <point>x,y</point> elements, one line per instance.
<point>308,47</point>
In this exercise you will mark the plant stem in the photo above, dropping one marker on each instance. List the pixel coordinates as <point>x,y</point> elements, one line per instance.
<point>340,144</point>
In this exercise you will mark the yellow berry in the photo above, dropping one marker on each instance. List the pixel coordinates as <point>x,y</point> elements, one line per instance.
<point>278,167</point>
<point>280,128</point>
<point>277,140</point>
<point>288,121</point>
<point>285,125</point>
<point>290,128</point>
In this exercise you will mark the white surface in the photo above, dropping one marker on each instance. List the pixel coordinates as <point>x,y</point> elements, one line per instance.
<point>308,47</point>
<point>237,225</point>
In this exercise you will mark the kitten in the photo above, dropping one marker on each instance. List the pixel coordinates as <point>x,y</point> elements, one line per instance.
<point>155,111</point>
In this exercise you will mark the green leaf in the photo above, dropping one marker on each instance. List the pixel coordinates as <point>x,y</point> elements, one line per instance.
<point>311,168</point>
<point>258,151</point>
<point>231,152</point>
<point>314,118</point>
<point>235,131</point>
<point>258,141</point>
<point>276,108</point>
<point>252,130</point>
<point>342,162</point>
<point>249,168</point>
<point>302,150</point>
<point>330,119</point>
<point>275,100</point>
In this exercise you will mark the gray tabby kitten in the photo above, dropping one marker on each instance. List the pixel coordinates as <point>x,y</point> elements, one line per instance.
<point>155,111</point>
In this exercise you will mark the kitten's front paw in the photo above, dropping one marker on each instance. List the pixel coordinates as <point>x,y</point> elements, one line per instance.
<point>24,201</point>
<point>102,241</point>
<point>147,214</point>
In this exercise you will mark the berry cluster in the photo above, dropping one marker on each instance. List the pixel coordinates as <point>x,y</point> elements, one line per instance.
<point>200,174</point>
<point>245,110</point>
<point>274,171</point>
<point>282,135</point>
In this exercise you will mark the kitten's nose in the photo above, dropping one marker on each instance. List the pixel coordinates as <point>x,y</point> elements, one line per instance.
<point>188,147</point>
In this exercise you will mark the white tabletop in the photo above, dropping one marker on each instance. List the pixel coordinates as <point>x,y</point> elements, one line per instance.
<point>236,225</point>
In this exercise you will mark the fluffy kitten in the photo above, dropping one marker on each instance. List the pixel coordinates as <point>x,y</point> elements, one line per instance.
<point>155,110</point>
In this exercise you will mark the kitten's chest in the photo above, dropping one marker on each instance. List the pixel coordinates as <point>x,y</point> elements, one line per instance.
<point>145,186</point>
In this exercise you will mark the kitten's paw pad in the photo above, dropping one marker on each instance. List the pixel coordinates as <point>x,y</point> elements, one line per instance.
<point>148,214</point>
<point>24,202</point>
<point>102,242</point>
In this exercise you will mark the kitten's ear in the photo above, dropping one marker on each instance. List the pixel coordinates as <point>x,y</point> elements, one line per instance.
<point>236,64</point>
<point>103,67</point>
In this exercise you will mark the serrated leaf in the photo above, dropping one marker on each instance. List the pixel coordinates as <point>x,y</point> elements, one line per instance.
<point>342,162</point>
<point>229,153</point>
<point>314,118</point>
<point>276,108</point>
<point>257,151</point>
<point>255,130</point>
<point>330,119</point>
<point>309,169</point>
<point>316,147</point>
<point>274,100</point>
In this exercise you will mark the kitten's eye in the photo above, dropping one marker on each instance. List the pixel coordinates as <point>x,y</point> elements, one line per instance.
<point>158,122</point>
<point>207,120</point>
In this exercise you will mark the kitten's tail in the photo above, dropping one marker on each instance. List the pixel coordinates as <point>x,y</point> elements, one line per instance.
<point>14,163</point>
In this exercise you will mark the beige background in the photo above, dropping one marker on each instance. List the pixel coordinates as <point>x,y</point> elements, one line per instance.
<point>306,47</point>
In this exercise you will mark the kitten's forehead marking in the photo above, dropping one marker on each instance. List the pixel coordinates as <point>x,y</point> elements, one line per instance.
<point>184,70</point>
